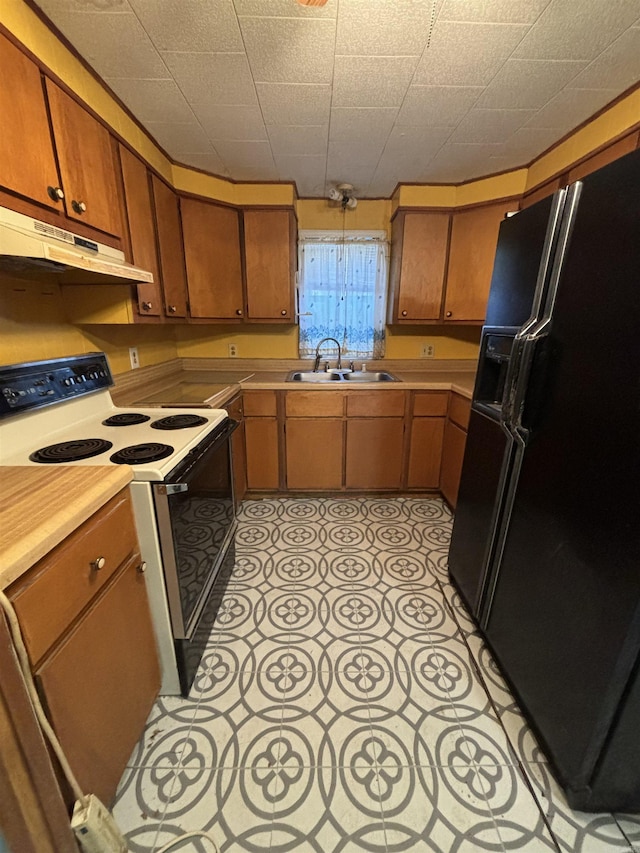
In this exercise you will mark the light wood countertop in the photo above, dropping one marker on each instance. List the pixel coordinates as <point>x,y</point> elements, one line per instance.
<point>41,506</point>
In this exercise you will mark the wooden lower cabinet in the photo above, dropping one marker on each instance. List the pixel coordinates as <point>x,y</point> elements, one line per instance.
<point>453,446</point>
<point>425,453</point>
<point>374,452</point>
<point>239,457</point>
<point>100,682</point>
<point>261,438</point>
<point>314,456</point>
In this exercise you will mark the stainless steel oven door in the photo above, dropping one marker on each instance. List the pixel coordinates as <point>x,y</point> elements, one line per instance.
<point>196,523</point>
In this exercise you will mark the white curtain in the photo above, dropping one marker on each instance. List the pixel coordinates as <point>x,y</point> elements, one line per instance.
<point>342,291</point>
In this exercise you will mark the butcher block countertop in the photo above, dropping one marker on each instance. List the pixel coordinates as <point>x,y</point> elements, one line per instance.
<point>41,506</point>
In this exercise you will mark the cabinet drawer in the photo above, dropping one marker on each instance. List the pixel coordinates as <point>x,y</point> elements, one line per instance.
<point>259,403</point>
<point>50,596</point>
<point>430,403</point>
<point>459,410</point>
<point>314,404</point>
<point>375,404</point>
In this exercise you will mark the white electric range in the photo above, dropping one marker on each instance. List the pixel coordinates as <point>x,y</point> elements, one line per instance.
<point>60,412</point>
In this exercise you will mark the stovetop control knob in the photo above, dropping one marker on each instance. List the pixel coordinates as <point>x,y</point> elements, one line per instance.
<point>98,563</point>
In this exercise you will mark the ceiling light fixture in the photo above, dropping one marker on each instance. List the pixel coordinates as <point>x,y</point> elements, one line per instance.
<point>343,193</point>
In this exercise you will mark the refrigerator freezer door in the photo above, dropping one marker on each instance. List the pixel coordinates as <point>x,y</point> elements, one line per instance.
<point>565,617</point>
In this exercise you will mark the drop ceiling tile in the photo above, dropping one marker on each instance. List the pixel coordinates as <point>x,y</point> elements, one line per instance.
<point>208,161</point>
<point>492,11</point>
<point>571,107</point>
<point>309,169</point>
<point>53,7</point>
<point>295,140</point>
<point>283,9</point>
<point>528,83</point>
<point>455,160</point>
<point>213,78</point>
<point>371,81</point>
<point>344,156</point>
<point>359,175</point>
<point>437,105</point>
<point>153,100</point>
<point>289,50</point>
<point>464,54</point>
<point>490,125</point>
<point>255,173</point>
<point>179,137</point>
<point>400,28</point>
<point>289,103</point>
<point>228,122</point>
<point>361,126</point>
<point>417,142</point>
<point>236,153</point>
<point>114,44</point>
<point>568,30</point>
<point>310,188</point>
<point>528,142</point>
<point>616,68</point>
<point>190,24</point>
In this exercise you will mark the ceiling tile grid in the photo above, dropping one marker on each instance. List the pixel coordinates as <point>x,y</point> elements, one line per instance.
<point>373,92</point>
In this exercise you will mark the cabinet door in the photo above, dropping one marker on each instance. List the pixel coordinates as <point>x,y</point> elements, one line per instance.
<point>100,683</point>
<point>452,456</point>
<point>474,236</point>
<point>314,453</point>
<point>425,453</point>
<point>85,154</point>
<point>261,437</point>
<point>139,207</point>
<point>212,252</point>
<point>174,279</point>
<point>421,242</point>
<point>27,161</point>
<point>374,453</point>
<point>239,456</point>
<point>269,251</point>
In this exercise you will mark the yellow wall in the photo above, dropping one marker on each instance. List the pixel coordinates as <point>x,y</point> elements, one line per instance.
<point>259,342</point>
<point>318,213</point>
<point>33,326</point>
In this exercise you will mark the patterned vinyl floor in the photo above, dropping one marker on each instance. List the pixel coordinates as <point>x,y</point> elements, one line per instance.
<point>345,703</point>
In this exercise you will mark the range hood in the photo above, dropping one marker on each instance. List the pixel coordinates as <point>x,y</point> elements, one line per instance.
<point>36,249</point>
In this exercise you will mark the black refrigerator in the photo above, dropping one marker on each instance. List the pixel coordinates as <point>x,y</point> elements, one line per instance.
<point>545,547</point>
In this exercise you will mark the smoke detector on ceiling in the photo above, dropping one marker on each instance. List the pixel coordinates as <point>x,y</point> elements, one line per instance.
<point>343,193</point>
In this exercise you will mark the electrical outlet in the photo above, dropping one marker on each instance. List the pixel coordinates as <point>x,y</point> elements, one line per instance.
<point>133,357</point>
<point>233,350</point>
<point>427,351</point>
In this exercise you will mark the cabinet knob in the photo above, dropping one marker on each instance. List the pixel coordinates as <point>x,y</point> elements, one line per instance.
<point>449,314</point>
<point>171,309</point>
<point>404,313</point>
<point>78,206</point>
<point>142,568</point>
<point>55,193</point>
<point>284,312</point>
<point>147,306</point>
<point>239,312</point>
<point>98,563</point>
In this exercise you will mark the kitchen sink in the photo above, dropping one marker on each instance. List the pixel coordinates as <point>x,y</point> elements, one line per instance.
<point>354,376</point>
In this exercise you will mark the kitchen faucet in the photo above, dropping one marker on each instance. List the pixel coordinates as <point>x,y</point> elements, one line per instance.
<point>316,363</point>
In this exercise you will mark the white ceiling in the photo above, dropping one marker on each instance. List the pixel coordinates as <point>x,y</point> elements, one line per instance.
<point>366,91</point>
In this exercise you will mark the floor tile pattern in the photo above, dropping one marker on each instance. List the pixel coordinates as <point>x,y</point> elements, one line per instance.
<point>346,703</point>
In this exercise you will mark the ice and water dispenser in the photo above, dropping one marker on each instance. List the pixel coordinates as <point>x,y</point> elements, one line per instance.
<point>493,367</point>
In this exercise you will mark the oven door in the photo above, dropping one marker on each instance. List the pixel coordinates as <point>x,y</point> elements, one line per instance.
<point>196,523</point>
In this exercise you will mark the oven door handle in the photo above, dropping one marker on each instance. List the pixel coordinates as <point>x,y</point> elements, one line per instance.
<point>173,488</point>
<point>209,445</point>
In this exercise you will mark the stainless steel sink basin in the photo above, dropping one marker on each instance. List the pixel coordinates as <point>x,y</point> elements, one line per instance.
<point>355,376</point>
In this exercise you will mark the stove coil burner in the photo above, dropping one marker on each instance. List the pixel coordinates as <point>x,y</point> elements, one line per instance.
<point>126,419</point>
<point>179,422</point>
<point>71,451</point>
<point>136,454</point>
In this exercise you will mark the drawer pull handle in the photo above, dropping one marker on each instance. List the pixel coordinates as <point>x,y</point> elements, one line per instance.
<point>404,313</point>
<point>284,312</point>
<point>449,313</point>
<point>147,306</point>
<point>172,309</point>
<point>98,563</point>
<point>142,568</point>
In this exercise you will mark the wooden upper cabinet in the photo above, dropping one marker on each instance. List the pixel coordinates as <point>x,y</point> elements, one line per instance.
<point>419,245</point>
<point>270,263</point>
<point>174,281</point>
<point>212,253</point>
<point>27,161</point>
<point>139,211</point>
<point>474,236</point>
<point>87,166</point>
